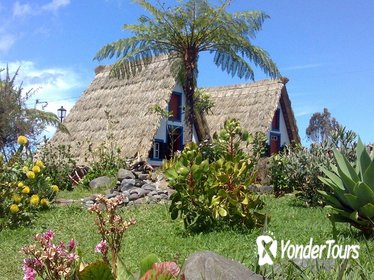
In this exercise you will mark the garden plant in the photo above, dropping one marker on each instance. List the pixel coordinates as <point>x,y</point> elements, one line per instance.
<point>211,182</point>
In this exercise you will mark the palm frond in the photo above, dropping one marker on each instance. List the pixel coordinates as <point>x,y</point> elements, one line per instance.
<point>46,118</point>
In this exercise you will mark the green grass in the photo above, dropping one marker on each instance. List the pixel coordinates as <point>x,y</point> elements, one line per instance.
<point>156,233</point>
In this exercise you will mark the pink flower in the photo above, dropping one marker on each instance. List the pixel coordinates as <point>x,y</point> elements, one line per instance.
<point>102,247</point>
<point>72,245</point>
<point>48,236</point>
<point>30,273</point>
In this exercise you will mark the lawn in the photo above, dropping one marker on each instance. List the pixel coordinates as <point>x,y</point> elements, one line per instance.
<point>156,233</point>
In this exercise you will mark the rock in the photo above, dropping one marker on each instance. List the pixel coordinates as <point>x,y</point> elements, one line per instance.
<point>139,183</point>
<point>164,196</point>
<point>127,184</point>
<point>133,196</point>
<point>210,266</point>
<point>152,193</point>
<point>103,181</point>
<point>141,192</point>
<point>125,193</point>
<point>149,187</point>
<point>125,174</point>
<point>143,176</point>
<point>130,203</point>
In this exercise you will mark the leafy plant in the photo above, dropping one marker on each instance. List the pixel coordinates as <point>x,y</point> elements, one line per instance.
<point>16,119</point>
<point>351,194</point>
<point>297,168</point>
<point>61,164</point>
<point>24,188</point>
<point>211,182</point>
<point>279,175</point>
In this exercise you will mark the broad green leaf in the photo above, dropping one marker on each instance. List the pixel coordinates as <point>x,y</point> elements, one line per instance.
<point>367,211</point>
<point>345,166</point>
<point>147,262</point>
<point>122,272</point>
<point>222,212</point>
<point>363,159</point>
<point>364,194</point>
<point>330,199</point>
<point>333,177</point>
<point>330,183</point>
<point>245,200</point>
<point>183,171</point>
<point>96,270</point>
<point>171,173</point>
<point>353,201</point>
<point>349,184</point>
<point>369,175</point>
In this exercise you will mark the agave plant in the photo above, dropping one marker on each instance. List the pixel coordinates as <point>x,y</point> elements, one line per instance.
<point>352,190</point>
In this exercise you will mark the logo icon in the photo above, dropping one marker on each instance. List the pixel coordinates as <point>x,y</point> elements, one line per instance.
<point>267,249</point>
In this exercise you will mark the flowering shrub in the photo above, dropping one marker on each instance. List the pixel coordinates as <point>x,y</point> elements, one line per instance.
<point>24,188</point>
<point>111,227</point>
<point>48,260</point>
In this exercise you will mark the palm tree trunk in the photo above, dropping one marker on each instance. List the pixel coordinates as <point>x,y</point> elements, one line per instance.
<point>190,63</point>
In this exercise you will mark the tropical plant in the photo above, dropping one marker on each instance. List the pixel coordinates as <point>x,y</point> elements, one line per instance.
<point>351,190</point>
<point>16,119</point>
<point>182,33</point>
<point>297,168</point>
<point>24,188</point>
<point>211,182</point>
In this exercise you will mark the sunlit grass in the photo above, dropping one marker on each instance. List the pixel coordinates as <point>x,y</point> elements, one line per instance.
<point>156,233</point>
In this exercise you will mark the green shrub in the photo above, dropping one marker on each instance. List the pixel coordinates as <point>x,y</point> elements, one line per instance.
<point>279,175</point>
<point>297,168</point>
<point>60,165</point>
<point>211,182</point>
<point>351,190</point>
<point>24,188</point>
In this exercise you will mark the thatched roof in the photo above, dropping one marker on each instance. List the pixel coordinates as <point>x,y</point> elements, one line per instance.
<point>128,102</point>
<point>133,126</point>
<point>253,104</point>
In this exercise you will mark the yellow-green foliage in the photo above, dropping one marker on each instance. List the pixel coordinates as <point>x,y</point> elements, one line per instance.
<point>24,189</point>
<point>211,182</point>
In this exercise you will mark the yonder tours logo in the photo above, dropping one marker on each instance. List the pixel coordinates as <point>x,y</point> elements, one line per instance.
<point>267,248</point>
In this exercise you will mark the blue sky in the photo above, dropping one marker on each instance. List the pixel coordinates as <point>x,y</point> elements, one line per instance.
<point>325,48</point>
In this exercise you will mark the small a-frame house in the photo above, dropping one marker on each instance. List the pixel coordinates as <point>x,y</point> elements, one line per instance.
<point>121,108</point>
<point>262,106</point>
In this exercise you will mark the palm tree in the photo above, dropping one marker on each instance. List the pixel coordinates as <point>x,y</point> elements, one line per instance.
<point>182,33</point>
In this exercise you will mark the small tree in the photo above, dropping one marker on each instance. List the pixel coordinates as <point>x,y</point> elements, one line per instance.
<point>16,119</point>
<point>182,33</point>
<point>321,126</point>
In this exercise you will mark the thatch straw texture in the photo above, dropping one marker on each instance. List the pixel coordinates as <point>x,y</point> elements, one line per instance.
<point>128,102</point>
<point>252,104</point>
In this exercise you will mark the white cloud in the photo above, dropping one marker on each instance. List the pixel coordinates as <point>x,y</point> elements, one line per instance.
<point>54,5</point>
<point>28,9</point>
<point>56,86</point>
<point>6,42</point>
<point>22,9</point>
